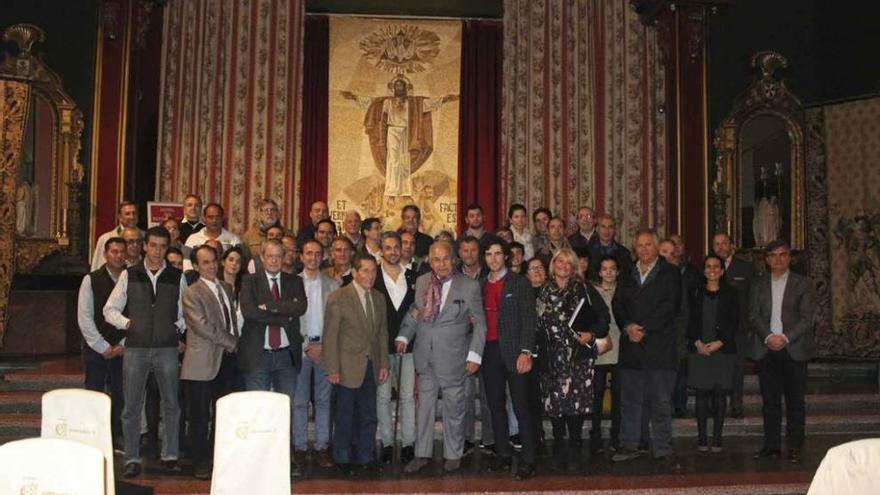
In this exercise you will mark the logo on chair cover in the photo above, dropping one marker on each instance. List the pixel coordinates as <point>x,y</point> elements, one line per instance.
<point>61,428</point>
<point>244,430</point>
<point>29,489</point>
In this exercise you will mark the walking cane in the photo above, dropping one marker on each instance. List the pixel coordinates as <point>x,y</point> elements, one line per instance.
<point>397,406</point>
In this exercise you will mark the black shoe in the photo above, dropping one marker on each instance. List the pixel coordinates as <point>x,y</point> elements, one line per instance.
<point>766,453</point>
<point>369,468</point>
<point>736,413</point>
<point>515,442</point>
<point>667,461</point>
<point>325,459</point>
<point>132,470</point>
<point>387,454</point>
<point>501,464</point>
<point>172,467</point>
<point>794,456</point>
<point>468,448</point>
<point>680,413</point>
<point>295,472</point>
<point>644,448</point>
<point>300,456</point>
<point>597,447</point>
<point>524,472</point>
<point>624,454</point>
<point>488,449</point>
<point>346,469</point>
<point>202,471</point>
<point>407,454</point>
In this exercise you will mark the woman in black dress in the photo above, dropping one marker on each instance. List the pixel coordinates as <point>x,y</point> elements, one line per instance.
<point>566,336</point>
<point>712,348</point>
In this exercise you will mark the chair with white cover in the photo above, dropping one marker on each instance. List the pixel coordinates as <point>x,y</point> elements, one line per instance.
<point>81,416</point>
<point>51,465</point>
<point>852,468</point>
<point>252,444</point>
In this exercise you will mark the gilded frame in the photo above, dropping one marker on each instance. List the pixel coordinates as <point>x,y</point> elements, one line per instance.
<point>767,95</point>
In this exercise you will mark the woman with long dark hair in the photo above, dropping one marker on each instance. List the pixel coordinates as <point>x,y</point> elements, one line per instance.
<point>711,332</point>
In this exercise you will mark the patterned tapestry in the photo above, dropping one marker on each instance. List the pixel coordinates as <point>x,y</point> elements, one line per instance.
<point>852,145</point>
<point>229,125</point>
<point>393,119</point>
<point>582,123</point>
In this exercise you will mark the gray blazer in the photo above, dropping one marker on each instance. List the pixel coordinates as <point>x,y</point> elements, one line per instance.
<point>207,336</point>
<point>445,344</point>
<point>797,316</point>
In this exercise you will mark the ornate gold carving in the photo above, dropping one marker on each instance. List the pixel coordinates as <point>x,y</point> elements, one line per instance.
<point>63,193</point>
<point>767,95</point>
<point>14,97</point>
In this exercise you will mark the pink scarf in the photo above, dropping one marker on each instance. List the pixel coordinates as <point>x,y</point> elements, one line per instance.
<point>434,296</point>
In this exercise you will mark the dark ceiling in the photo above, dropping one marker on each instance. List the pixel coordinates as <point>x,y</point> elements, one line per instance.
<point>491,9</point>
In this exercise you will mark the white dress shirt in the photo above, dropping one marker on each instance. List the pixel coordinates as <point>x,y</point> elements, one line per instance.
<point>196,239</point>
<point>119,298</point>
<point>85,316</point>
<point>311,323</point>
<point>284,341</point>
<point>644,276</point>
<point>396,288</point>
<point>777,289</point>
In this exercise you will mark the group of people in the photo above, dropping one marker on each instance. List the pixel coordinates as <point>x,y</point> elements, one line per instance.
<point>534,323</point>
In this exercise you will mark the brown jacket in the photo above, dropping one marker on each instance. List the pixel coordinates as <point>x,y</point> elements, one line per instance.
<point>349,340</point>
<point>207,336</point>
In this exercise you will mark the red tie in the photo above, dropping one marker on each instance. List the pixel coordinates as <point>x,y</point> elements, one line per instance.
<point>275,330</point>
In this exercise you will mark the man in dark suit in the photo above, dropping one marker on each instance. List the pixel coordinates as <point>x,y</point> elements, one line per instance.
<point>356,362</point>
<point>209,361</point>
<point>781,319</point>
<point>270,348</point>
<point>398,285</point>
<point>603,244</point>
<point>509,302</point>
<point>740,274</point>
<point>317,212</point>
<point>586,228</point>
<point>645,306</point>
<point>448,323</point>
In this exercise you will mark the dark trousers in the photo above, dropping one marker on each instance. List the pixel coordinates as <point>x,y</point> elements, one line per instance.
<point>202,398</point>
<point>736,393</point>
<point>680,393</point>
<point>536,408</point>
<point>714,401</point>
<point>778,375</point>
<point>355,421</point>
<point>102,375</point>
<point>600,384</point>
<point>636,388</point>
<point>498,379</point>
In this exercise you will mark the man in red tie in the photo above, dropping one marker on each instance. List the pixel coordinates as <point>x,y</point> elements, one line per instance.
<point>270,348</point>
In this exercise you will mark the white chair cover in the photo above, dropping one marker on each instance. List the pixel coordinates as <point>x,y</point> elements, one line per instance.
<point>849,469</point>
<point>81,416</point>
<point>50,465</point>
<point>252,444</point>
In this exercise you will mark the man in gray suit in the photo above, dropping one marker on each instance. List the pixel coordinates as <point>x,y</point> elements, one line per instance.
<point>447,306</point>
<point>781,319</point>
<point>741,275</point>
<point>212,339</point>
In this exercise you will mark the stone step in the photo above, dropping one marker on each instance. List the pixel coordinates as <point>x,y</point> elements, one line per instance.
<point>41,381</point>
<point>20,425</point>
<point>20,401</point>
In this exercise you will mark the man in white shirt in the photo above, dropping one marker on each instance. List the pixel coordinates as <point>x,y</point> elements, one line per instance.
<point>781,323</point>
<point>127,214</point>
<point>104,344</point>
<point>213,217</point>
<point>146,304</point>
<point>318,287</point>
<point>398,285</point>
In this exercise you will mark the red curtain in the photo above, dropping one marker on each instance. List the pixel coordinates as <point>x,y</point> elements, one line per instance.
<point>315,98</point>
<point>479,139</point>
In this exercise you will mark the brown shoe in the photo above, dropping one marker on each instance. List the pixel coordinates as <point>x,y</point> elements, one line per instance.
<point>324,458</point>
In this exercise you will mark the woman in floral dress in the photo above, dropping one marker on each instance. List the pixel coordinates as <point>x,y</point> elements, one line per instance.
<point>566,352</point>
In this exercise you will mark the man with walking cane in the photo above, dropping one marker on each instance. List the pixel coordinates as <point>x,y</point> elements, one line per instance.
<point>397,285</point>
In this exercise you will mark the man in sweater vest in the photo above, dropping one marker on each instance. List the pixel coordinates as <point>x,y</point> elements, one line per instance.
<point>146,304</point>
<point>103,343</point>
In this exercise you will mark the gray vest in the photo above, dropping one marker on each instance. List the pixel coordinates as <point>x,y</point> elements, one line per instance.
<point>153,315</point>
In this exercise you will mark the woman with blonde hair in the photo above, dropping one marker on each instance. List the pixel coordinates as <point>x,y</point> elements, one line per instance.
<point>571,316</point>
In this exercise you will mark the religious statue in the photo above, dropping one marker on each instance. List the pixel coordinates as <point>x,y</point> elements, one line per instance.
<point>400,131</point>
<point>767,224</point>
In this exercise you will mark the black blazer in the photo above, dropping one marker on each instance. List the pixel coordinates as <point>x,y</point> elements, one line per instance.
<point>654,305</point>
<point>285,312</point>
<point>395,316</point>
<point>726,318</point>
<point>517,315</point>
<point>595,304</point>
